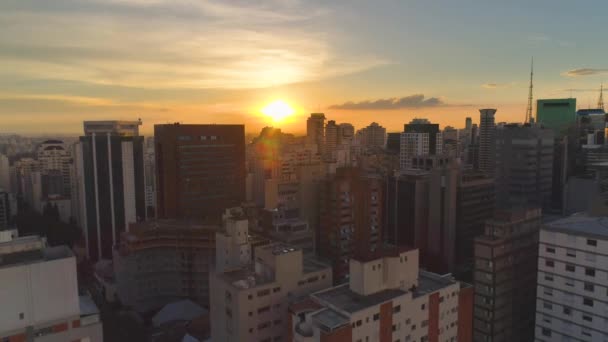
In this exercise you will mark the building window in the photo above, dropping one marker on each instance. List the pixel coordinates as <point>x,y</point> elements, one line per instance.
<point>546,332</point>
<point>423,306</point>
<point>587,318</point>
<point>548,291</point>
<point>589,287</point>
<point>359,323</point>
<point>184,138</point>
<point>397,309</point>
<point>376,317</point>
<point>548,277</point>
<point>588,302</point>
<point>263,293</point>
<point>571,253</point>
<point>550,250</point>
<point>549,263</point>
<point>276,289</point>
<point>591,242</point>
<point>264,325</point>
<point>570,268</point>
<point>567,311</point>
<point>547,305</point>
<point>263,309</point>
<point>590,272</point>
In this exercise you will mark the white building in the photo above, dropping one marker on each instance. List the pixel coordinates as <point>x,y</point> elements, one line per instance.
<point>39,295</point>
<point>249,301</point>
<point>56,161</point>
<point>388,299</point>
<point>572,291</point>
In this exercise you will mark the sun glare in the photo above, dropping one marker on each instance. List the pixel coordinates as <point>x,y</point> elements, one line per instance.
<point>278,110</point>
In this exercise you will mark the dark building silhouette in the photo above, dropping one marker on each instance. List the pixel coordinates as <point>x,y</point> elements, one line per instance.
<point>200,170</point>
<point>393,142</point>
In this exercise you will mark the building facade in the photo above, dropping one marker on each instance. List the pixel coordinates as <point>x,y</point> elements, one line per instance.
<point>111,193</point>
<point>200,170</point>
<point>250,296</point>
<point>505,276</point>
<point>40,300</point>
<point>487,140</point>
<point>556,114</point>
<point>573,280</point>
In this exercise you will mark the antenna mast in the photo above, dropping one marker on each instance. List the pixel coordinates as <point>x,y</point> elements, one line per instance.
<point>529,118</point>
<point>600,101</point>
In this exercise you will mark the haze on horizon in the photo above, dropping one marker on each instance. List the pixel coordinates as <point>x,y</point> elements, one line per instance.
<point>205,61</point>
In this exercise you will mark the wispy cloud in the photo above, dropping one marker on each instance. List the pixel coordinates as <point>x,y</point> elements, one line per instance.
<point>412,101</point>
<point>497,85</point>
<point>545,39</point>
<point>584,72</point>
<point>172,44</point>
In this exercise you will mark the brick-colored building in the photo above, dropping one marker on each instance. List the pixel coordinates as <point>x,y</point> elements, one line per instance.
<point>200,169</point>
<point>387,299</point>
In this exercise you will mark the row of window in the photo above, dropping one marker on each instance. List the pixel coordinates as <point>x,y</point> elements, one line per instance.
<point>589,287</point>
<point>589,271</point>
<point>201,138</point>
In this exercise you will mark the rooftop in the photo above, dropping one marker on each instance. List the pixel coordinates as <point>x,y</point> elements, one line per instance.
<point>581,224</point>
<point>343,298</point>
<point>430,282</point>
<point>330,319</point>
<point>29,250</point>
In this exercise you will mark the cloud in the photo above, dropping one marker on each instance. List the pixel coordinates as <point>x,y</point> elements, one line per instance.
<point>412,101</point>
<point>167,44</point>
<point>497,85</point>
<point>584,72</point>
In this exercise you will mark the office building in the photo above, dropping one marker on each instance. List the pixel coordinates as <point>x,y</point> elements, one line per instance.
<point>250,297</point>
<point>524,165</point>
<point>351,217</point>
<point>200,170</point>
<point>56,163</point>
<point>372,136</point>
<point>331,138</point>
<point>487,141</point>
<point>393,142</point>
<point>6,210</point>
<point>420,138</point>
<point>346,134</point>
<point>475,203</point>
<point>315,130</point>
<point>39,296</point>
<point>556,114</point>
<point>573,280</point>
<point>387,298</point>
<point>505,276</point>
<point>5,174</point>
<point>160,261</point>
<point>110,167</point>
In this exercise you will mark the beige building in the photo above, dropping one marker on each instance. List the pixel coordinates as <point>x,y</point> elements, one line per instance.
<point>387,299</point>
<point>249,300</point>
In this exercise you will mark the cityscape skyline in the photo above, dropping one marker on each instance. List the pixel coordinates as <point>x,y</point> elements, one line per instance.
<point>222,62</point>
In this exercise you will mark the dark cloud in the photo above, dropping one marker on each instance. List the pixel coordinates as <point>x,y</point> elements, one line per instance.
<point>584,72</point>
<point>412,101</point>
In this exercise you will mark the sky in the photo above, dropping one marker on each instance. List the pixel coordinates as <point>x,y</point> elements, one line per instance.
<point>358,61</point>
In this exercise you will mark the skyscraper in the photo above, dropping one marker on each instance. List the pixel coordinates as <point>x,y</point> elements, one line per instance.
<point>505,276</point>
<point>419,138</point>
<point>200,169</point>
<point>350,217</point>
<point>331,137</point>
<point>56,163</point>
<point>315,133</point>
<point>487,140</point>
<point>5,175</point>
<point>109,158</point>
<point>373,135</point>
<point>556,114</point>
<point>524,165</point>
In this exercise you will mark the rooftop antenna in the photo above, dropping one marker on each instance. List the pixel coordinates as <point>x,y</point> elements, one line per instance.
<point>529,118</point>
<point>600,101</point>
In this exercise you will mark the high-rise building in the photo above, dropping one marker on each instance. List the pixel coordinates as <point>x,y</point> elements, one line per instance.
<point>572,280</point>
<point>315,129</point>
<point>200,170</point>
<point>393,142</point>
<point>487,141</point>
<point>40,300</point>
<point>5,174</point>
<point>474,205</point>
<point>351,217</point>
<point>6,210</point>
<point>419,138</point>
<point>371,136</point>
<point>387,298</point>
<point>556,114</point>
<point>331,137</point>
<point>346,134</point>
<point>524,165</point>
<point>109,159</point>
<point>468,123</point>
<point>160,261</point>
<point>505,276</point>
<point>56,163</point>
<point>249,297</point>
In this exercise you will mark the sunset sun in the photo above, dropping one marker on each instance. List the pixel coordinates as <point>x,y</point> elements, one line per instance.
<point>278,110</point>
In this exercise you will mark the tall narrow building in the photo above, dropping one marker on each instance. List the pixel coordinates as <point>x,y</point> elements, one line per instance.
<point>487,140</point>
<point>200,170</point>
<point>505,276</point>
<point>109,158</point>
<point>419,138</point>
<point>315,125</point>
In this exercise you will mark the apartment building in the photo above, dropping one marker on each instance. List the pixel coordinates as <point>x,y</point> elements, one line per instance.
<point>249,295</point>
<point>572,302</point>
<point>387,299</point>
